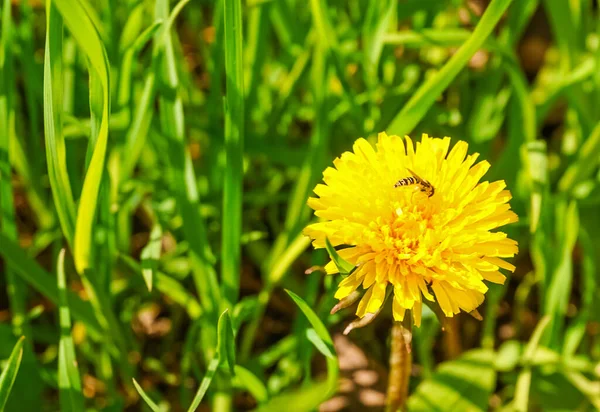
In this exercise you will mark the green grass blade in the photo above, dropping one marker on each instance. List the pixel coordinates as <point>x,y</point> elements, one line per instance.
<point>226,340</point>
<point>422,100</point>
<point>252,384</point>
<point>297,212</point>
<point>326,342</point>
<point>56,156</point>
<point>343,266</point>
<point>126,72</point>
<point>380,16</point>
<point>182,176</point>
<point>314,320</point>
<point>150,255</point>
<point>44,283</point>
<point>589,287</point>
<point>204,385</point>
<point>521,402</point>
<point>234,147</point>
<point>84,32</point>
<point>15,288</point>
<point>137,134</point>
<point>151,404</point>
<point>166,285</point>
<point>587,159</point>
<point>9,374</point>
<point>69,381</point>
<point>312,395</point>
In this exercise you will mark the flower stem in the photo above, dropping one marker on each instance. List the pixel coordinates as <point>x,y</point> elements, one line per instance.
<point>400,367</point>
<point>452,344</point>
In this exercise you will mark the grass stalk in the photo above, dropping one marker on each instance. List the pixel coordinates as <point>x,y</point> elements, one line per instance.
<point>15,288</point>
<point>425,96</point>
<point>234,146</point>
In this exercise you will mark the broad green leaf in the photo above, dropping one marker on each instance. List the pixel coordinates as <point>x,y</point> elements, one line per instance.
<point>9,374</point>
<point>343,266</point>
<point>305,399</point>
<point>589,388</point>
<point>463,384</point>
<point>69,381</point>
<point>545,396</point>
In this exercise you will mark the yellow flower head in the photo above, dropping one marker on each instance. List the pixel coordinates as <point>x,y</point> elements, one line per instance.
<point>439,246</point>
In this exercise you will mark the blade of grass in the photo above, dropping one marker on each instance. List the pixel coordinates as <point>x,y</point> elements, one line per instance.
<point>560,283</point>
<point>225,353</point>
<point>521,401</point>
<point>343,265</point>
<point>577,328</point>
<point>204,385</point>
<point>312,395</point>
<point>129,56</point>
<point>69,381</point>
<point>9,374</point>
<point>252,384</point>
<point>137,134</point>
<point>166,285</point>
<point>297,213</point>
<point>27,156</point>
<point>327,38</point>
<point>234,147</point>
<point>53,109</point>
<point>380,16</point>
<point>84,32</point>
<point>15,287</point>
<point>43,282</point>
<point>226,341</point>
<point>77,18</point>
<point>182,178</point>
<point>150,255</point>
<point>583,167</point>
<point>151,404</point>
<point>422,100</point>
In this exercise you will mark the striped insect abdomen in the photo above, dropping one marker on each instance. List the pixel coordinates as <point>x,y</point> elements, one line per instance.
<point>411,180</point>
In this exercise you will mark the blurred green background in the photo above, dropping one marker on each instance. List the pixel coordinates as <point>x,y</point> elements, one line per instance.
<point>169,148</point>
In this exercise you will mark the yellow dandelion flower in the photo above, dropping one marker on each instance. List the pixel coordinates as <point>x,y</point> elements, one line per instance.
<point>440,245</point>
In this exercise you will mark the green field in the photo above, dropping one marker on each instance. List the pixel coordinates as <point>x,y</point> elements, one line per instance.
<point>156,159</point>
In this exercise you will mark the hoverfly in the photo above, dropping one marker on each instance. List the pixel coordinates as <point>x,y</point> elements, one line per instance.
<point>423,184</point>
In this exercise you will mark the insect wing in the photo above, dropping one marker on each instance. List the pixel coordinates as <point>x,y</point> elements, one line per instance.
<point>419,177</point>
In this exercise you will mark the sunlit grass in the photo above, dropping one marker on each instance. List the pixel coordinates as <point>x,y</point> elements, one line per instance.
<point>156,158</point>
